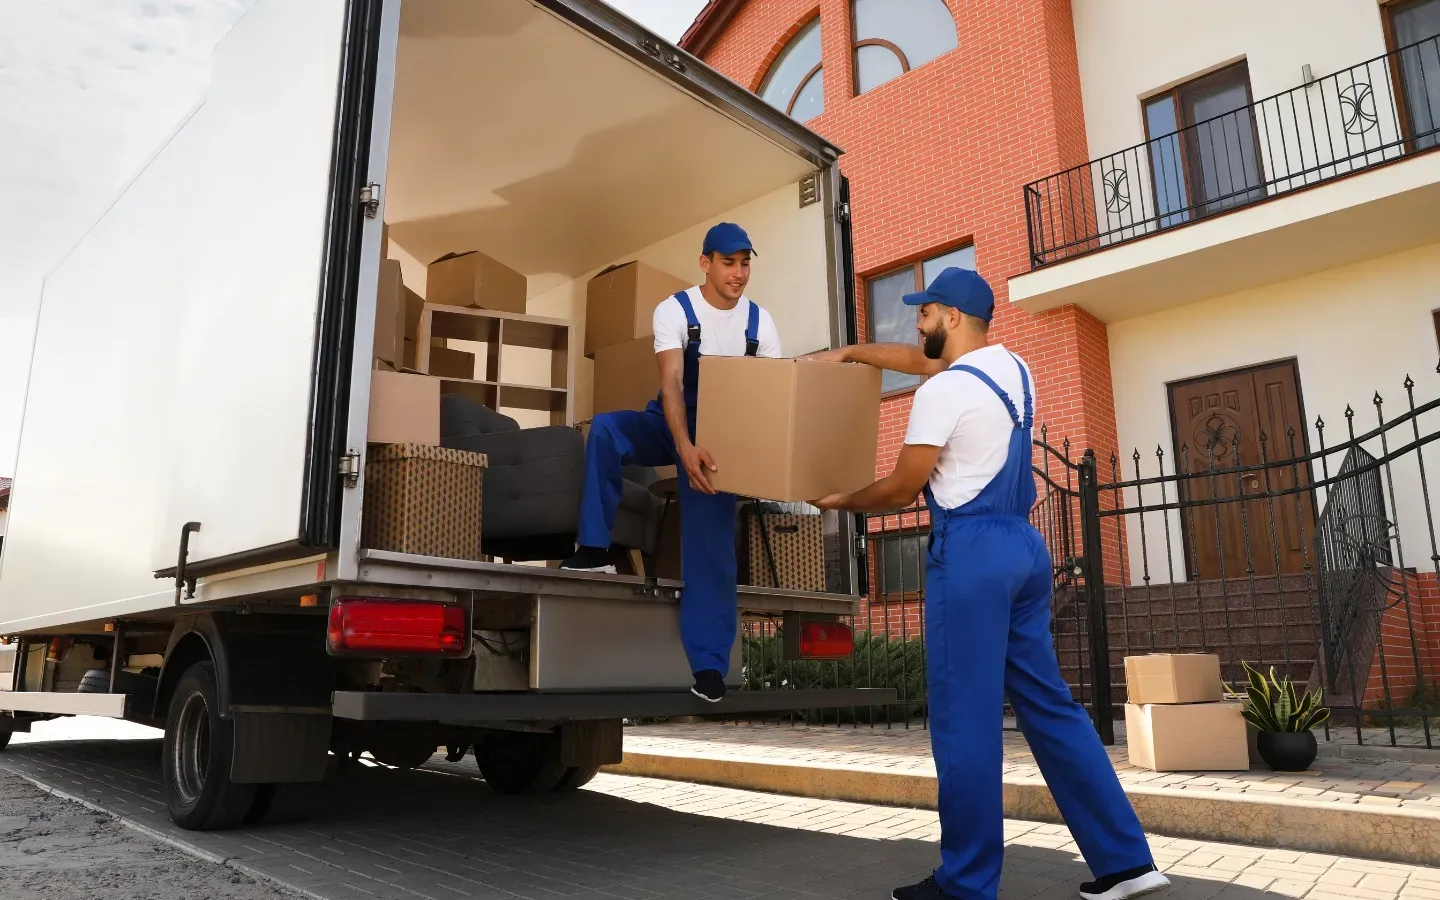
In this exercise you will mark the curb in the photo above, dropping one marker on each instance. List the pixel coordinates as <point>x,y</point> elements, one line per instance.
<point>1381,833</point>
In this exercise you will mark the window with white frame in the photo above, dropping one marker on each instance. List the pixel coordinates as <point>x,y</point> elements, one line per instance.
<point>894,36</point>
<point>796,82</point>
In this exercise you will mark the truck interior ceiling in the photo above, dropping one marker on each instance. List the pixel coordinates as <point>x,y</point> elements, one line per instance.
<point>520,136</point>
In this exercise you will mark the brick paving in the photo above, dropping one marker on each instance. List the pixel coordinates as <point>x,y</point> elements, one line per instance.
<point>1402,783</point>
<point>437,836</point>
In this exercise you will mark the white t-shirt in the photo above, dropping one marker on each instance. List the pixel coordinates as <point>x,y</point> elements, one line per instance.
<point>961,414</point>
<point>722,332</point>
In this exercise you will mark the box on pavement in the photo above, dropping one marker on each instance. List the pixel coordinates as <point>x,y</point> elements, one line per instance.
<point>626,376</point>
<point>1187,737</point>
<point>1173,678</point>
<point>447,363</point>
<point>423,500</point>
<point>390,314</point>
<point>475,280</point>
<point>782,549</point>
<point>404,408</point>
<point>788,429</point>
<point>620,303</point>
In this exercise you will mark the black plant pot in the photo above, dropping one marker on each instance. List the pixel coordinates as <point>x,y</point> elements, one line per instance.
<point>1287,751</point>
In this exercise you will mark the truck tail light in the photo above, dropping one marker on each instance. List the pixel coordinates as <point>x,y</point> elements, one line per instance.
<point>826,640</point>
<point>392,626</point>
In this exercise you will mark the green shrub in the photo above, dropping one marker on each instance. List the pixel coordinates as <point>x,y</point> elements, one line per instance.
<point>878,661</point>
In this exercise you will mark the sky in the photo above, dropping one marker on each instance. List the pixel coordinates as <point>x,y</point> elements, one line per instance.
<point>88,90</point>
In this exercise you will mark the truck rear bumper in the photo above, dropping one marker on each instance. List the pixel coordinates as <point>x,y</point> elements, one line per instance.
<point>518,706</point>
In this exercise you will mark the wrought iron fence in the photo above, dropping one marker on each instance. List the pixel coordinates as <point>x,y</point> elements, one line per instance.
<point>1238,542</point>
<point>1346,122</point>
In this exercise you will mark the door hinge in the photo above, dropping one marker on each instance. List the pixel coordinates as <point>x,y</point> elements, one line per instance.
<point>661,52</point>
<point>370,200</point>
<point>859,546</point>
<point>809,189</point>
<point>350,468</point>
<point>842,212</point>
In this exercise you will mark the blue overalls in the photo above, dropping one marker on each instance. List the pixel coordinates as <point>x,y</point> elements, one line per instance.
<point>987,628</point>
<point>708,611</point>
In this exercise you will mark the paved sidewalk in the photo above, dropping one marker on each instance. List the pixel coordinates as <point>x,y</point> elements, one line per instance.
<point>1375,808</point>
<point>431,835</point>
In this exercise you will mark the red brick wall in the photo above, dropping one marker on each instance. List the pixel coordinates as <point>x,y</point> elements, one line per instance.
<point>1407,636</point>
<point>938,157</point>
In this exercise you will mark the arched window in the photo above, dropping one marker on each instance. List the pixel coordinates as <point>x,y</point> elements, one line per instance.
<point>796,83</point>
<point>894,36</point>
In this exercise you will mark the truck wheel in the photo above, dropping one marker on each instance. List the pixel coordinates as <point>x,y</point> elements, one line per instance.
<point>5,739</point>
<point>520,762</point>
<point>575,778</point>
<point>279,804</point>
<point>199,746</point>
<point>403,755</point>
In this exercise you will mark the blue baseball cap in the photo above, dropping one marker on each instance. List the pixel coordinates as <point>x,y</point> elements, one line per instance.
<point>961,288</point>
<point>725,239</point>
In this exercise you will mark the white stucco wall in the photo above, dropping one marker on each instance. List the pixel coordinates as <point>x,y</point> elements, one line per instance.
<point>1353,331</point>
<point>1130,49</point>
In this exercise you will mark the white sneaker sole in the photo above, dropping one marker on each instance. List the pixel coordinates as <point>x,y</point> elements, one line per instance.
<point>697,693</point>
<point>1138,886</point>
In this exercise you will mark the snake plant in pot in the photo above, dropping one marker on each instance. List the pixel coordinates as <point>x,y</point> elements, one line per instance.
<point>1284,718</point>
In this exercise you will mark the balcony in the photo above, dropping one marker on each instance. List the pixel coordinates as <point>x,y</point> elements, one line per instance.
<point>1270,191</point>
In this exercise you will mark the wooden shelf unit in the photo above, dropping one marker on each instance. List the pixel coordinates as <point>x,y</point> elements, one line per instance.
<point>498,331</point>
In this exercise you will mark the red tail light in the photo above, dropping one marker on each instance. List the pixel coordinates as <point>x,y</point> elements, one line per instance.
<point>826,640</point>
<point>393,626</point>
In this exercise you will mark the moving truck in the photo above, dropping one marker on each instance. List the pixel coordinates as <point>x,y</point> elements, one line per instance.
<point>185,527</point>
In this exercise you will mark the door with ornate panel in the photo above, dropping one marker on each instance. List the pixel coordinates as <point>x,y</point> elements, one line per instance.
<point>1230,421</point>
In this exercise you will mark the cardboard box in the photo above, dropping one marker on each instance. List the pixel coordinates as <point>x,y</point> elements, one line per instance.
<point>447,363</point>
<point>475,280</point>
<point>783,550</point>
<point>414,306</point>
<point>390,314</point>
<point>423,500</point>
<point>404,409</point>
<point>1187,737</point>
<point>626,376</point>
<point>620,303</point>
<point>788,429</point>
<point>1174,678</point>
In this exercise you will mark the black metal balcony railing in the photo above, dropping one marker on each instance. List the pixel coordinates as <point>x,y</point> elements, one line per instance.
<point>1346,122</point>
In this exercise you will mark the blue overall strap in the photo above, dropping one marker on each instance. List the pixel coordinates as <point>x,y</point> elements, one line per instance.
<point>1029,400</point>
<point>692,324</point>
<point>752,331</point>
<point>1004,397</point>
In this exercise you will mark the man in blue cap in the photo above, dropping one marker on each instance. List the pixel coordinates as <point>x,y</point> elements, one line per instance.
<point>714,318</point>
<point>987,604</point>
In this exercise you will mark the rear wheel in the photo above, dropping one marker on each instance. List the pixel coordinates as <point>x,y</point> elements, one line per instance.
<point>520,762</point>
<point>5,739</point>
<point>199,747</point>
<point>575,778</point>
<point>403,754</point>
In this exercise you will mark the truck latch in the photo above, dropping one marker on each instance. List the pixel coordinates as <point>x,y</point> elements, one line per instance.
<point>370,200</point>
<point>350,468</point>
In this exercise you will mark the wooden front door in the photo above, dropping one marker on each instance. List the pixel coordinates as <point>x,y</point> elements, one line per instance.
<point>1227,421</point>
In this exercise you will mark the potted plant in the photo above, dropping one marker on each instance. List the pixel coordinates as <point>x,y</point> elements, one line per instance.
<point>1284,718</point>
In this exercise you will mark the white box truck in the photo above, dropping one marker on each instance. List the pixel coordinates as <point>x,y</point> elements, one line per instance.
<point>186,518</point>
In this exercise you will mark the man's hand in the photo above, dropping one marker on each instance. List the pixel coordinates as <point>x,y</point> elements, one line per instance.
<point>831,501</point>
<point>697,464</point>
<point>839,355</point>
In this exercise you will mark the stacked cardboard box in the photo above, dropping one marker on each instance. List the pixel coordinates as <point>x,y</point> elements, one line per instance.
<point>619,309</point>
<point>1177,719</point>
<point>475,280</point>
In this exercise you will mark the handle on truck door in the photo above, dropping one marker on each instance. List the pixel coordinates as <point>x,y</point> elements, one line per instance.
<point>186,530</point>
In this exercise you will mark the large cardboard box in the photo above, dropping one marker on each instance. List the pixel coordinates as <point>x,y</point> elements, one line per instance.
<point>447,363</point>
<point>475,280</point>
<point>423,500</point>
<point>626,376</point>
<point>1174,678</point>
<point>404,409</point>
<point>788,429</point>
<point>620,303</point>
<point>390,314</point>
<point>1187,737</point>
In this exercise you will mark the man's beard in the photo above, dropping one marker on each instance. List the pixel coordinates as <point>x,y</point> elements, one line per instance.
<point>935,342</point>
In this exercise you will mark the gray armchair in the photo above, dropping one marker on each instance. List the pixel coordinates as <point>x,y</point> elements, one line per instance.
<point>534,483</point>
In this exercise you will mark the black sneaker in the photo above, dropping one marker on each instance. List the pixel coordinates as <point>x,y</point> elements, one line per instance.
<point>1130,883</point>
<point>925,890</point>
<point>590,559</point>
<point>709,686</point>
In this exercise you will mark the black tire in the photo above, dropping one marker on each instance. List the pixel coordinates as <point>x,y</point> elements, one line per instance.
<point>520,762</point>
<point>138,686</point>
<point>199,747</point>
<point>5,739</point>
<point>403,754</point>
<point>575,778</point>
